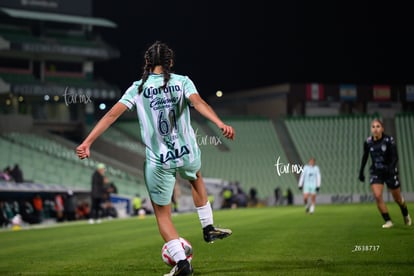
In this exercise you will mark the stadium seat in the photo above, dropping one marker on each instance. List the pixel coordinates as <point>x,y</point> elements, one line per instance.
<point>336,143</point>
<point>46,161</point>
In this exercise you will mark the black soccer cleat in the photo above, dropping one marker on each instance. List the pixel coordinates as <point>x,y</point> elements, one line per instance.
<point>183,268</point>
<point>212,233</point>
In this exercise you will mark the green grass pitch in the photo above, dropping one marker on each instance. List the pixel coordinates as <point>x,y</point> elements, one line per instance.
<point>336,240</point>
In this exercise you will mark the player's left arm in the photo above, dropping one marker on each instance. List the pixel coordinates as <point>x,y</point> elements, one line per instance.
<point>205,109</point>
<point>318,178</point>
<point>393,155</point>
<point>108,119</point>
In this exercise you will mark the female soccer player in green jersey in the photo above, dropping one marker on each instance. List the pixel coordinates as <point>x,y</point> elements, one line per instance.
<point>162,100</point>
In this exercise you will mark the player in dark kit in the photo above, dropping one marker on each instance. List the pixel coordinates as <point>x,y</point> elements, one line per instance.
<point>383,170</point>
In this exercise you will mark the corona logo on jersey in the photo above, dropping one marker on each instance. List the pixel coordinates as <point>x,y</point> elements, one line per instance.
<point>149,92</point>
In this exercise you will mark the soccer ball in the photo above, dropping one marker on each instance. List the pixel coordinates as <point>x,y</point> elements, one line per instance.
<point>168,259</point>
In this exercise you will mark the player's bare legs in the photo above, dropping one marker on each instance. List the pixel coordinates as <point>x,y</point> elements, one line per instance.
<point>396,194</point>
<point>399,199</point>
<point>164,221</point>
<point>305,201</point>
<point>377,190</point>
<point>313,202</point>
<point>170,236</point>
<point>198,190</point>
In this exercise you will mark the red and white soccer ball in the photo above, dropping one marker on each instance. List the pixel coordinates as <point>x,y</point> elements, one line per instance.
<point>166,257</point>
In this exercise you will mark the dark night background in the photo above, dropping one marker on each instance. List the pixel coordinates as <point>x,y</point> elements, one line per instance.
<point>235,45</point>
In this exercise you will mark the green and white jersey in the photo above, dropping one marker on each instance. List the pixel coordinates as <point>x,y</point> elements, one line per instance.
<point>310,177</point>
<point>164,117</point>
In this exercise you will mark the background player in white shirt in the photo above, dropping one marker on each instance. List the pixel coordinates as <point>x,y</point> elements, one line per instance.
<point>310,182</point>
<point>162,101</point>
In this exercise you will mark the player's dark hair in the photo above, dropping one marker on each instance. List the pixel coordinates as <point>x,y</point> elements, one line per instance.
<point>157,54</point>
<point>378,120</point>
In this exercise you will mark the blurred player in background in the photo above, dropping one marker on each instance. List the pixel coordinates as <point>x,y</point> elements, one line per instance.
<point>310,182</point>
<point>97,193</point>
<point>383,169</point>
<point>162,101</point>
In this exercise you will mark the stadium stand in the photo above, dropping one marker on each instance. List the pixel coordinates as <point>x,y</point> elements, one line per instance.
<point>47,76</point>
<point>130,128</point>
<point>404,123</point>
<point>336,143</point>
<point>122,134</point>
<point>250,158</point>
<point>45,161</point>
<point>45,55</point>
<point>17,33</point>
<point>18,77</point>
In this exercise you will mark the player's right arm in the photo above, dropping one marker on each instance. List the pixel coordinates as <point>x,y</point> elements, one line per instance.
<point>318,177</point>
<point>108,119</point>
<point>301,179</point>
<point>364,160</point>
<point>204,109</point>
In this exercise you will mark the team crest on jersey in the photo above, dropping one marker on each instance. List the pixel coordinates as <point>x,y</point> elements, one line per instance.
<point>384,147</point>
